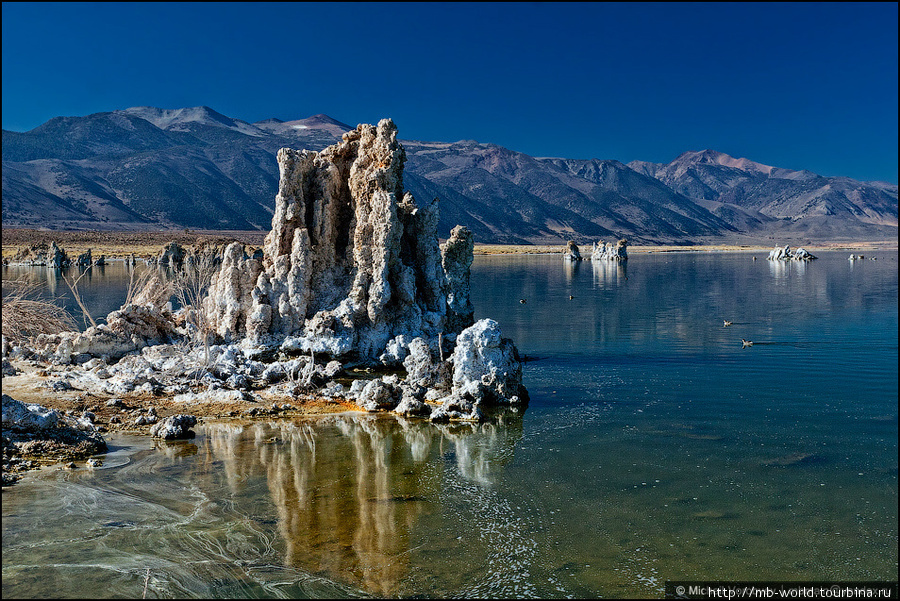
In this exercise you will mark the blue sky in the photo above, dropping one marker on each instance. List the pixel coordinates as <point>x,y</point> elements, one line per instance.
<point>802,86</point>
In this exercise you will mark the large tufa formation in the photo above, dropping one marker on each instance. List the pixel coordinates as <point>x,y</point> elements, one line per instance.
<point>352,269</point>
<point>786,254</point>
<point>609,251</point>
<point>352,264</point>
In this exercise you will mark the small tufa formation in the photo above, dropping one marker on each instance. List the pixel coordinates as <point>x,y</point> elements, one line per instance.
<point>41,254</point>
<point>487,371</point>
<point>30,430</point>
<point>571,253</point>
<point>172,256</point>
<point>174,427</point>
<point>456,259</point>
<point>84,259</point>
<point>57,257</point>
<point>352,264</point>
<point>146,320</point>
<point>483,371</point>
<point>786,254</point>
<point>610,252</point>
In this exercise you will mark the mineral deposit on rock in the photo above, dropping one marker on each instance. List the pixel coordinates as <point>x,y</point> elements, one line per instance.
<point>57,257</point>
<point>31,431</point>
<point>84,259</point>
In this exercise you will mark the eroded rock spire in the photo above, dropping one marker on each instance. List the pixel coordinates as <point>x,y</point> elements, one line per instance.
<point>352,263</point>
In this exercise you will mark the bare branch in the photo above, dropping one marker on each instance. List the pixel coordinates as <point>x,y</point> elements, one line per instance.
<point>73,287</point>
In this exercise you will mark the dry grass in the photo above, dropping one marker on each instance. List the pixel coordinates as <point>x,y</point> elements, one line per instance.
<point>150,289</point>
<point>26,315</point>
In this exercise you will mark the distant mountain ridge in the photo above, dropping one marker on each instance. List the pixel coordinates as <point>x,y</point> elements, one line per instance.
<point>151,168</point>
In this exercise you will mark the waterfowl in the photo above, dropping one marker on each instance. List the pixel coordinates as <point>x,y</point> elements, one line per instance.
<point>523,301</point>
<point>571,297</point>
<point>746,343</point>
<point>727,323</point>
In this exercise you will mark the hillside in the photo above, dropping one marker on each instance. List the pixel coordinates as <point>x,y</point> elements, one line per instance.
<point>145,168</point>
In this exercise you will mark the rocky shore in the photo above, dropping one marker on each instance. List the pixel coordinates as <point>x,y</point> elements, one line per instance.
<point>34,435</point>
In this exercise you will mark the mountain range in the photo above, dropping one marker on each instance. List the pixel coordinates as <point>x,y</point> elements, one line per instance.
<point>145,168</point>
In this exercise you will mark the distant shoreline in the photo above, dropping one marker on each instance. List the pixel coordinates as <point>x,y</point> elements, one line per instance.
<point>503,249</point>
<point>120,244</point>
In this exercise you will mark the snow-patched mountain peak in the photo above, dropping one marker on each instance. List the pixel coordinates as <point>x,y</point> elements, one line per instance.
<point>686,161</point>
<point>181,119</point>
<point>319,122</point>
<point>714,157</point>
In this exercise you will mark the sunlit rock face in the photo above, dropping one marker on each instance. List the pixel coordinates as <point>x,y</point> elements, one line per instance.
<point>352,263</point>
<point>144,321</point>
<point>456,260</point>
<point>487,372</point>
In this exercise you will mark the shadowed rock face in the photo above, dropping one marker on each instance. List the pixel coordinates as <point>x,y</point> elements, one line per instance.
<point>571,253</point>
<point>351,262</point>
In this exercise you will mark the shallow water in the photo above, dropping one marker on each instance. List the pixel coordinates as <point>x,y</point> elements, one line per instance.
<point>655,447</point>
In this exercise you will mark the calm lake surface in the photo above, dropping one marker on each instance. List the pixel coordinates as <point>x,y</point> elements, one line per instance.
<point>655,448</point>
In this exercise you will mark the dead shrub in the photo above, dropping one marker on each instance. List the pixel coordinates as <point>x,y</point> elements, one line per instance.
<point>26,315</point>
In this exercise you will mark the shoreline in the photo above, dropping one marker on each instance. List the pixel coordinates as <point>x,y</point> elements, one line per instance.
<point>119,245</point>
<point>130,416</point>
<point>545,249</point>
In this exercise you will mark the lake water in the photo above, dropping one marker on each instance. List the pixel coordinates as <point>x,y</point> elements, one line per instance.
<point>654,448</point>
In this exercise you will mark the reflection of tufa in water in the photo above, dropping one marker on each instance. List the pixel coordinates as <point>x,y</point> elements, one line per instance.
<point>348,490</point>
